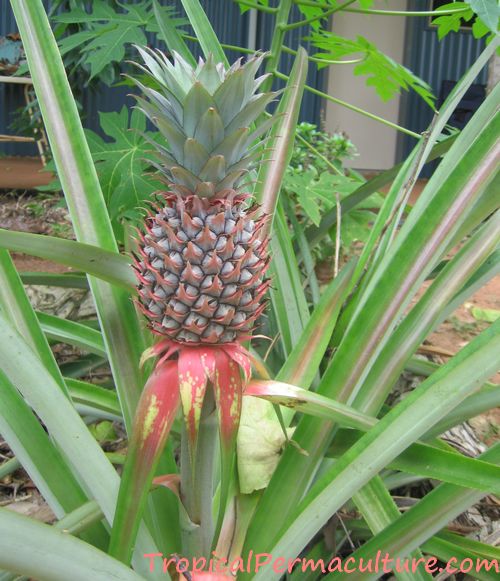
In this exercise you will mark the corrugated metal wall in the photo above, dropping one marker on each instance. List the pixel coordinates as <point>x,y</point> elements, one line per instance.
<point>312,106</point>
<point>434,61</point>
<point>231,28</point>
<point>11,96</point>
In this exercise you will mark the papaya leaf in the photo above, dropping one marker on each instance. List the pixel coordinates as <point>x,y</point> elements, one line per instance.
<point>453,21</point>
<point>488,11</point>
<point>120,162</point>
<point>108,32</point>
<point>386,76</point>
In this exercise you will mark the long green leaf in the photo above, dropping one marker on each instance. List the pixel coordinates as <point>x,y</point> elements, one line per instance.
<point>468,167</point>
<point>281,139</point>
<point>40,458</point>
<point>422,521</point>
<point>16,305</point>
<point>378,508</point>
<point>421,459</point>
<point>430,150</point>
<point>437,126</point>
<point>53,554</point>
<point>108,266</point>
<point>204,31</point>
<point>303,362</point>
<point>486,399</point>
<point>26,372</point>
<point>425,316</point>
<point>314,234</point>
<point>427,461</point>
<point>72,333</point>
<point>454,554</point>
<point>407,422</point>
<point>428,229</point>
<point>92,399</point>
<point>65,280</point>
<point>308,402</point>
<point>76,171</point>
<point>287,295</point>
<point>469,544</point>
<point>171,35</point>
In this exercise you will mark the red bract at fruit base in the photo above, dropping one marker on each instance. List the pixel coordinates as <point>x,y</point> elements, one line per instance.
<point>202,255</point>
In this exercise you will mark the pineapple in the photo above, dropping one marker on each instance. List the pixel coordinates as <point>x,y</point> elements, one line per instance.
<point>202,256</point>
<point>200,266</point>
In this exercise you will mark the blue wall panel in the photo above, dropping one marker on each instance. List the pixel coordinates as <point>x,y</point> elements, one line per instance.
<point>11,96</point>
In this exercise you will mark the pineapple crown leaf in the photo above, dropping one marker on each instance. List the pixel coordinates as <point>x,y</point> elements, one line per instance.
<point>208,115</point>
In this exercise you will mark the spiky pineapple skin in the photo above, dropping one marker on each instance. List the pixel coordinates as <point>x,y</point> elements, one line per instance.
<point>201,268</point>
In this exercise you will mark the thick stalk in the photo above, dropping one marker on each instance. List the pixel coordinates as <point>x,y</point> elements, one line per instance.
<point>197,483</point>
<point>277,42</point>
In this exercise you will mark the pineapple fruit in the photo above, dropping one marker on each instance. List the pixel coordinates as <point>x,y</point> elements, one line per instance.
<point>201,263</point>
<point>202,254</point>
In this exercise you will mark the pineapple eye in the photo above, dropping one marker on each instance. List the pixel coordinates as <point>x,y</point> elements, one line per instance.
<point>239,252</point>
<point>239,318</point>
<point>169,323</point>
<point>178,307</point>
<point>229,291</point>
<point>227,269</point>
<point>245,276</point>
<point>229,226</point>
<point>221,243</point>
<point>246,298</point>
<point>158,231</point>
<point>192,291</point>
<point>176,258</point>
<point>154,308</point>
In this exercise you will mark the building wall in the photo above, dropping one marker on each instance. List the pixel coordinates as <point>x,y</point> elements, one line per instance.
<point>376,143</point>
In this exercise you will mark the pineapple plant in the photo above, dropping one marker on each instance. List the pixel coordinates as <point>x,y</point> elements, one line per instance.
<point>202,254</point>
<point>202,257</point>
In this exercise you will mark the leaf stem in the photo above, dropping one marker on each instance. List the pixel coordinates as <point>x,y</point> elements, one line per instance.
<point>282,16</point>
<point>314,4</point>
<point>226,46</point>
<point>313,59</point>
<point>353,108</point>
<point>255,6</point>
<point>326,14</point>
